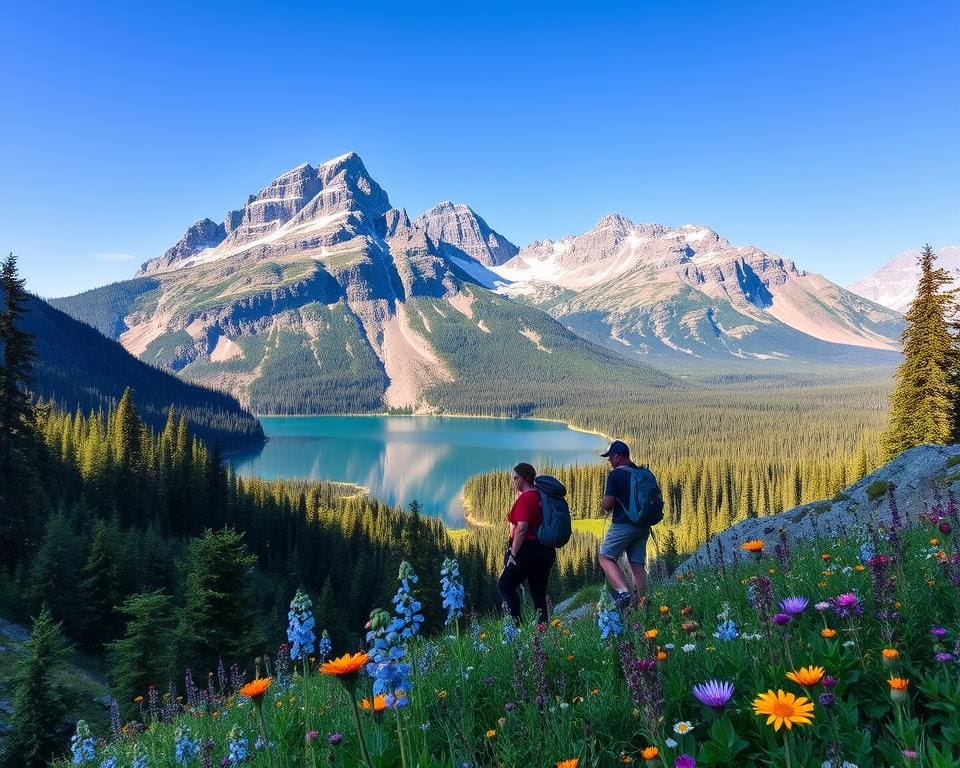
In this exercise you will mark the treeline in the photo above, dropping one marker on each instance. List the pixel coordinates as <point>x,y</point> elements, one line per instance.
<point>702,496</point>
<point>77,368</point>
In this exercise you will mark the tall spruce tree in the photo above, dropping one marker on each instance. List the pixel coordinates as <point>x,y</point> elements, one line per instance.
<point>36,726</point>
<point>923,403</point>
<point>142,657</point>
<point>218,617</point>
<point>16,416</point>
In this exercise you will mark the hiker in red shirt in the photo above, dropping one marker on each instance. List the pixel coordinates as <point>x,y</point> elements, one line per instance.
<point>527,559</point>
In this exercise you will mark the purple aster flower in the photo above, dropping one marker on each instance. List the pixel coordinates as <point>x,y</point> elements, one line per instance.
<point>944,657</point>
<point>685,761</point>
<point>794,605</point>
<point>716,694</point>
<point>847,605</point>
<point>644,665</point>
<point>828,681</point>
<point>781,619</point>
<point>335,738</point>
<point>827,700</point>
<point>938,632</point>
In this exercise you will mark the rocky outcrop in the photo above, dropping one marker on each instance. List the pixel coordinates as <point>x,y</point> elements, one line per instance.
<point>199,237</point>
<point>461,233</point>
<point>914,479</point>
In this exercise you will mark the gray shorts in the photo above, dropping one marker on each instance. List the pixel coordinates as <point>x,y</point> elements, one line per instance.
<point>626,537</point>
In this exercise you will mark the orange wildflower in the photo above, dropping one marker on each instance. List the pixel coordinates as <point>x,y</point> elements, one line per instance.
<point>650,634</point>
<point>890,654</point>
<point>491,733</point>
<point>806,675</point>
<point>650,753</point>
<point>573,762</point>
<point>378,704</point>
<point>661,655</point>
<point>754,546</point>
<point>346,666</point>
<point>898,683</point>
<point>828,633</point>
<point>664,609</point>
<point>256,688</point>
<point>783,709</point>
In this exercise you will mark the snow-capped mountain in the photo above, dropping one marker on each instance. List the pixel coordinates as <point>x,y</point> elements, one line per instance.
<point>317,295</point>
<point>646,288</point>
<point>895,283</point>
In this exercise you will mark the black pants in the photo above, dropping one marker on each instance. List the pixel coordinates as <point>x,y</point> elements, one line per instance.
<point>533,564</point>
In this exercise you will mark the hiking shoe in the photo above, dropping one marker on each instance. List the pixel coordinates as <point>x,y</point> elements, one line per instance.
<point>622,600</point>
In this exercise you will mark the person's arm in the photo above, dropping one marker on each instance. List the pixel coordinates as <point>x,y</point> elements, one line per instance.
<point>519,536</point>
<point>609,501</point>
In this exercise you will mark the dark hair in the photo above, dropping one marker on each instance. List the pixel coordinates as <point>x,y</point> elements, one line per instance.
<point>526,471</point>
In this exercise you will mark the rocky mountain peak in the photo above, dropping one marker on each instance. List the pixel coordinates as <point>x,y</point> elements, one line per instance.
<point>303,201</point>
<point>895,284</point>
<point>462,234</point>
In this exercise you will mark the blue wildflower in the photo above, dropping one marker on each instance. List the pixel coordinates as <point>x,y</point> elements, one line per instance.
<point>609,619</point>
<point>300,630</point>
<point>451,589</point>
<point>139,762</point>
<point>407,607</point>
<point>110,762</point>
<point>185,748</point>
<point>510,632</point>
<point>727,630</point>
<point>238,745</point>
<point>83,746</point>
<point>325,647</point>
<point>476,632</point>
<point>867,552</point>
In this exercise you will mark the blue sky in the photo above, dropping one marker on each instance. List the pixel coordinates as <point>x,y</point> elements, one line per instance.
<point>826,132</point>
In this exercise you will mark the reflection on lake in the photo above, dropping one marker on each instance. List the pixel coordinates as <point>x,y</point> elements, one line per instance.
<point>402,458</point>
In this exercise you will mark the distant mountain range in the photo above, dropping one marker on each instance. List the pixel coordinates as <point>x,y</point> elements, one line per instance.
<point>895,283</point>
<point>77,367</point>
<point>318,295</point>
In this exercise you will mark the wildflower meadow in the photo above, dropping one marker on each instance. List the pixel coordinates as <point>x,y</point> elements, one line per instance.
<point>830,654</point>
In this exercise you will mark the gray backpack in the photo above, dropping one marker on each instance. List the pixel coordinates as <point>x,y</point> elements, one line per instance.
<point>646,500</point>
<point>556,527</point>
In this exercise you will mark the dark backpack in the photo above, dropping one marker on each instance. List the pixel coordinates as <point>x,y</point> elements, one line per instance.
<point>646,500</point>
<point>556,527</point>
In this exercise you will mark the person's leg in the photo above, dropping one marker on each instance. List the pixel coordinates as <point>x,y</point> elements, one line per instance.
<point>539,576</point>
<point>637,557</point>
<point>510,579</point>
<point>615,541</point>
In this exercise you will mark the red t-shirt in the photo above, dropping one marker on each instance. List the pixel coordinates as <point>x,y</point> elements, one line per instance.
<point>527,509</point>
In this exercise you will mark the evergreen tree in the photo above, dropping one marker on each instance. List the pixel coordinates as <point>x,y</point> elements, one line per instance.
<point>922,406</point>
<point>218,617</point>
<point>98,590</point>
<point>16,417</point>
<point>142,657</point>
<point>36,725</point>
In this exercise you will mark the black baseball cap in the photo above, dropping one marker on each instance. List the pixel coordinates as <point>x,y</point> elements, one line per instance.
<point>617,446</point>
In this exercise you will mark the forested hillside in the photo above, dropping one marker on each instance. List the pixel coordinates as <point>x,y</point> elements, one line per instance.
<point>77,367</point>
<point>722,455</point>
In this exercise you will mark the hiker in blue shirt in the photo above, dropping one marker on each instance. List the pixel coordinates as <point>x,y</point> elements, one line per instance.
<point>623,535</point>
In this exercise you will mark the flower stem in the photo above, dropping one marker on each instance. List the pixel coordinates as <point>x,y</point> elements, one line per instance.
<point>786,746</point>
<point>263,732</point>
<point>403,750</point>
<point>359,727</point>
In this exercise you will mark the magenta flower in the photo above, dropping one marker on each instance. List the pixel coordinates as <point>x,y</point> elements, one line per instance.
<point>781,619</point>
<point>828,681</point>
<point>794,605</point>
<point>716,694</point>
<point>847,604</point>
<point>685,761</point>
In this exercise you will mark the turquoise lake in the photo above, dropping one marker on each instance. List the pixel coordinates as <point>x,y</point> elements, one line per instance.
<point>402,458</point>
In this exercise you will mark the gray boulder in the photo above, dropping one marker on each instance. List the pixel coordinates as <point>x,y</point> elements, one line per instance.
<point>915,476</point>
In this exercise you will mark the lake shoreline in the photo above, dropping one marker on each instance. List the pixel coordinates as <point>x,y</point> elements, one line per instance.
<point>568,425</point>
